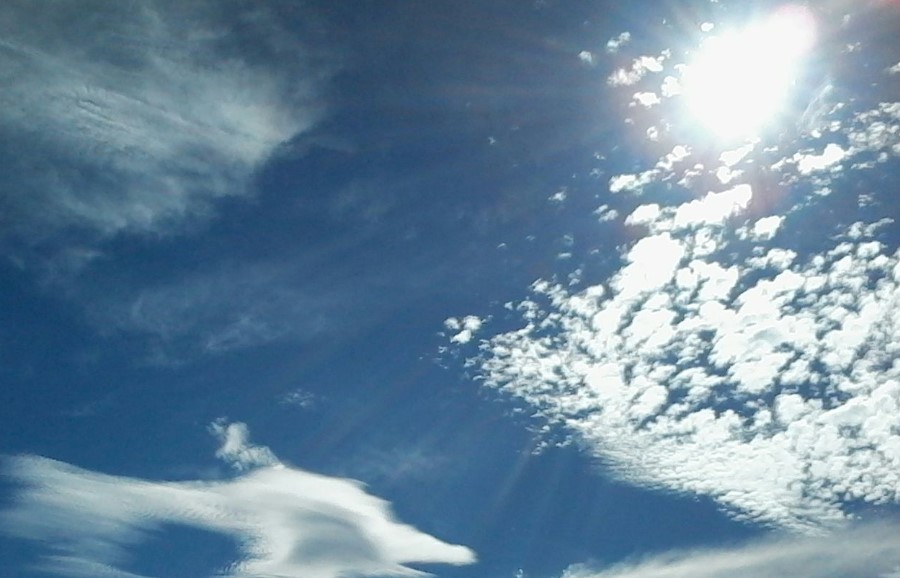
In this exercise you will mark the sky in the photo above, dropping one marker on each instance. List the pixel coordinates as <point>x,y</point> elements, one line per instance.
<point>471,289</point>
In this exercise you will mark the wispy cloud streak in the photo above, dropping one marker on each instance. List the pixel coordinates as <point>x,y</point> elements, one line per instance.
<point>284,521</point>
<point>135,116</point>
<point>862,552</point>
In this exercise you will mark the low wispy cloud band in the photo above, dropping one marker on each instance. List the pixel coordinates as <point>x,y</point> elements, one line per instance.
<point>868,551</point>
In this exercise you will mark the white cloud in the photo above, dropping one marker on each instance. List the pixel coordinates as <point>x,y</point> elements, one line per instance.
<point>136,117</point>
<point>668,161</point>
<point>664,169</point>
<point>586,57</point>
<point>671,86</point>
<point>605,213</point>
<point>464,328</point>
<point>877,130</point>
<point>646,99</point>
<point>714,208</point>
<point>285,521</point>
<point>651,264</point>
<point>866,552</point>
<point>727,175</point>
<point>832,155</point>
<point>628,182</point>
<point>236,448</point>
<point>614,44</point>
<point>640,67</point>
<point>733,157</point>
<point>643,215</point>
<point>766,228</point>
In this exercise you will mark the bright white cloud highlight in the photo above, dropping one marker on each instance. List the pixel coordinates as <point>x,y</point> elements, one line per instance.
<point>740,79</point>
<point>284,521</point>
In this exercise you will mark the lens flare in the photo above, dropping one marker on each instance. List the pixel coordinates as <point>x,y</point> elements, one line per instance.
<point>740,80</point>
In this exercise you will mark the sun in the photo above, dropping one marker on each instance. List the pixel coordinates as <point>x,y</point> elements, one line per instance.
<point>740,80</point>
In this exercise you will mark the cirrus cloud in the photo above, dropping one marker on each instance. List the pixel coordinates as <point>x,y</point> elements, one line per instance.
<point>865,551</point>
<point>137,116</point>
<point>285,521</point>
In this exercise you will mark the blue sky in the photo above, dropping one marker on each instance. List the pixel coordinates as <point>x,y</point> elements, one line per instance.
<point>479,289</point>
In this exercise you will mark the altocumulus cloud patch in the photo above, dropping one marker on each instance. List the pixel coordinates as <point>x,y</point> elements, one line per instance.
<point>719,359</point>
<point>285,521</point>
<point>768,383</point>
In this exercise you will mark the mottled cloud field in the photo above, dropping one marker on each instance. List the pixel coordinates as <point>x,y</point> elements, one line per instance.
<point>724,357</point>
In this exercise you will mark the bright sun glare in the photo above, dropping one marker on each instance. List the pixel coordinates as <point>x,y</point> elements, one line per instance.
<point>740,80</point>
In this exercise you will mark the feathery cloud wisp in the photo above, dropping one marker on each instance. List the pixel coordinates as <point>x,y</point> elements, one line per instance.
<point>285,521</point>
<point>136,116</point>
<point>866,552</point>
